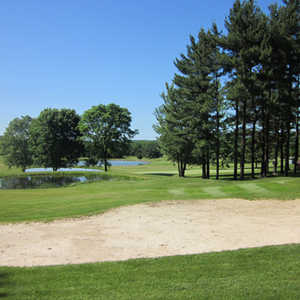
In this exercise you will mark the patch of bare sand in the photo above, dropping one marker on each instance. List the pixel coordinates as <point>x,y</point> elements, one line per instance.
<point>152,230</point>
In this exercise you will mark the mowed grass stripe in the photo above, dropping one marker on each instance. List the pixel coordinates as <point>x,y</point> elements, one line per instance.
<point>176,192</point>
<point>254,188</point>
<point>214,191</point>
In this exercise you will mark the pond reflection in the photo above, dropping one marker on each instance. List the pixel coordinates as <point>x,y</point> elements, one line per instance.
<point>31,170</point>
<point>46,181</point>
<point>117,163</point>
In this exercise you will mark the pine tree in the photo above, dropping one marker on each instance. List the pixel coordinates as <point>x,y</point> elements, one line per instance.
<point>175,139</point>
<point>245,26</point>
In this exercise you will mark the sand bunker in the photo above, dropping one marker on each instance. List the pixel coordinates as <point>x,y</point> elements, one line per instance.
<point>152,230</point>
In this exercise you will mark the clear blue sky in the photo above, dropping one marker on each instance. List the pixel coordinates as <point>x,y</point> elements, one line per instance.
<point>80,53</point>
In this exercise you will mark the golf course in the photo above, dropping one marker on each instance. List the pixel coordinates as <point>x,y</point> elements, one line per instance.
<point>154,235</point>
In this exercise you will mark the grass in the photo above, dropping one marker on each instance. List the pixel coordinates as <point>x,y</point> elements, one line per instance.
<point>134,184</point>
<point>257,273</point>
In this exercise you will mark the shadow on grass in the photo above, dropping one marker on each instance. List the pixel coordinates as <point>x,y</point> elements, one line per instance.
<point>160,174</point>
<point>228,177</point>
<point>3,283</point>
<point>247,176</point>
<point>293,175</point>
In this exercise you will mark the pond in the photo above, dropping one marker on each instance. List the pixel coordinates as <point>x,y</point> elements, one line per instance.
<point>46,181</point>
<point>61,170</point>
<point>82,164</point>
<point>127,163</point>
<point>120,163</point>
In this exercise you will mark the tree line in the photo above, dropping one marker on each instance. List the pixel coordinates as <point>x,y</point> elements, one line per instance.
<point>58,137</point>
<point>145,149</point>
<point>235,97</point>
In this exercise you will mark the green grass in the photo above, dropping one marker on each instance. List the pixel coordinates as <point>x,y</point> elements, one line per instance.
<point>257,273</point>
<point>134,184</point>
<point>261,273</point>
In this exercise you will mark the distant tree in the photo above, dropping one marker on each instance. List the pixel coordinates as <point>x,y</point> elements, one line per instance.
<point>15,143</point>
<point>107,128</point>
<point>145,148</point>
<point>152,149</point>
<point>55,138</point>
<point>137,149</point>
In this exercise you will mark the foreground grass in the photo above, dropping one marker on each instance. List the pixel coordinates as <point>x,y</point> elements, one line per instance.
<point>153,182</point>
<point>257,273</point>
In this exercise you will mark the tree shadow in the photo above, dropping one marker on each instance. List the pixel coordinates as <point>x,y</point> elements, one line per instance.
<point>160,174</point>
<point>3,282</point>
<point>247,177</point>
<point>293,175</point>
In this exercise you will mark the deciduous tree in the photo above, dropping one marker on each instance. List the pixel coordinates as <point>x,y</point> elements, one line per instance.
<point>107,128</point>
<point>15,143</point>
<point>55,138</point>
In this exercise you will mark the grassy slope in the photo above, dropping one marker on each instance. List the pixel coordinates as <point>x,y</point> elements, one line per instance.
<point>259,273</point>
<point>153,182</point>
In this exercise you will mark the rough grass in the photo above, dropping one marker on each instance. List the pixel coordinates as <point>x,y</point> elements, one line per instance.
<point>257,273</point>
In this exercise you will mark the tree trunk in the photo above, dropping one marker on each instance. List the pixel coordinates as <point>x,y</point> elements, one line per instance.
<point>204,168</point>
<point>253,143</point>
<point>218,141</point>
<point>236,137</point>
<point>253,149</point>
<point>208,164</point>
<point>281,151</point>
<point>105,160</point>
<point>296,142</point>
<point>287,150</point>
<point>276,150</point>
<point>184,168</point>
<point>181,167</point>
<point>263,148</point>
<point>242,166</point>
<point>297,126</point>
<point>267,144</point>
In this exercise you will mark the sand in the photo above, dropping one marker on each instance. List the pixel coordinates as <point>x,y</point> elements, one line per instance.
<point>152,230</point>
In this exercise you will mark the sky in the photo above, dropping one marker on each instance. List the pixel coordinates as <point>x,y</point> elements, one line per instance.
<point>80,53</point>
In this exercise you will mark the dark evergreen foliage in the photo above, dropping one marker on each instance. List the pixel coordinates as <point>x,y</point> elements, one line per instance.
<point>242,85</point>
<point>145,148</point>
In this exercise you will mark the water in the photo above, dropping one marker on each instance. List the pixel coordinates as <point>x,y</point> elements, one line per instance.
<point>127,163</point>
<point>45,181</point>
<point>82,164</point>
<point>119,163</point>
<point>62,170</point>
